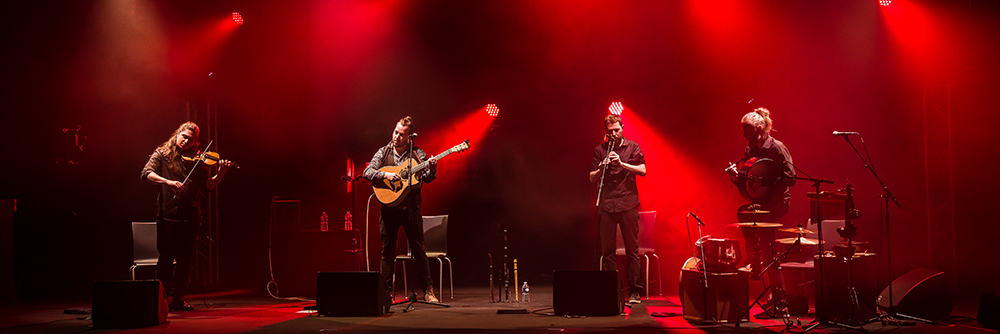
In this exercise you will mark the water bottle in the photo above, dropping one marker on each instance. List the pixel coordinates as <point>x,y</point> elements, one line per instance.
<point>324,222</point>
<point>348,225</point>
<point>524,292</point>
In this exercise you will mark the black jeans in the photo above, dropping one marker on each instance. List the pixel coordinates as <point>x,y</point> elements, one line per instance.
<point>175,242</point>
<point>413,225</point>
<point>629,222</point>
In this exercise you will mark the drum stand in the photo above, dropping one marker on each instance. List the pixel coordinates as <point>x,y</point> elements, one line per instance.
<point>855,306</point>
<point>774,261</point>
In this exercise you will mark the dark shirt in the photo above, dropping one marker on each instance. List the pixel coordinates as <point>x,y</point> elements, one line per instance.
<point>386,156</point>
<point>619,192</point>
<point>775,150</point>
<point>187,204</point>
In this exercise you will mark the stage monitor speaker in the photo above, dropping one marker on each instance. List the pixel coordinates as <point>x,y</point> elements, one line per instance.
<point>587,293</point>
<point>351,294</point>
<point>989,311</point>
<point>921,293</point>
<point>128,304</point>
<point>728,294</point>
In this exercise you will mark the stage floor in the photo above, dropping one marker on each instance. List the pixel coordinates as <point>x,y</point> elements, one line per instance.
<point>240,311</point>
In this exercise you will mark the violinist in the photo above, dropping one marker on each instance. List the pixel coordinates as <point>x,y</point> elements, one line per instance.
<point>178,212</point>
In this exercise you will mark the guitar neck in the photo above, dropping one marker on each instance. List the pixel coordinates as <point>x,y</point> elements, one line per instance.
<point>424,164</point>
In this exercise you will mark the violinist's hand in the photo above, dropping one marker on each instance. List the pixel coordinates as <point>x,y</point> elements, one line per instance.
<point>176,184</point>
<point>225,165</point>
<point>392,176</point>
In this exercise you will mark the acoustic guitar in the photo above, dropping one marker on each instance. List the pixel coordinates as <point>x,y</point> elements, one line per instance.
<point>390,193</point>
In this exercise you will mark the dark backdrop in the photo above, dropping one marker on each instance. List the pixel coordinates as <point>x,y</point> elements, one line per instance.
<point>303,86</point>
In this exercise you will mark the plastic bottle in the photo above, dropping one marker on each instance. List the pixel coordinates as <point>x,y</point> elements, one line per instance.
<point>324,222</point>
<point>348,224</point>
<point>524,292</point>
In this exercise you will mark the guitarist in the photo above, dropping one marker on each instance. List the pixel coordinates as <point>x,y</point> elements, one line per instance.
<point>406,214</point>
<point>759,241</point>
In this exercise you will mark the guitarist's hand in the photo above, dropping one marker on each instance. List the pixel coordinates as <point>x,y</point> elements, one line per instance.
<point>392,176</point>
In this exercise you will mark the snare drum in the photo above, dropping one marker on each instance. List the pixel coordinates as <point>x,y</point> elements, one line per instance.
<point>722,255</point>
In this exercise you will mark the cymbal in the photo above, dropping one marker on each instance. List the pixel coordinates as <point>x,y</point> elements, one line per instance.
<point>754,212</point>
<point>805,241</point>
<point>756,225</point>
<point>856,255</point>
<point>844,243</point>
<point>798,230</point>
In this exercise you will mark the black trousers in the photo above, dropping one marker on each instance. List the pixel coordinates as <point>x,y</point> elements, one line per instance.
<point>413,225</point>
<point>175,242</point>
<point>628,221</point>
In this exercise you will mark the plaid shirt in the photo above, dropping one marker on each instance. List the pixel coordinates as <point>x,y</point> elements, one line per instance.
<point>385,157</point>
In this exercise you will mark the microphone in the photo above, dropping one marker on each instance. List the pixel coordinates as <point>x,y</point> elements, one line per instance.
<point>845,134</point>
<point>413,135</point>
<point>696,218</point>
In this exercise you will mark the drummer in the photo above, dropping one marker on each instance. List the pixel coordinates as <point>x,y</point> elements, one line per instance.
<point>757,131</point>
<point>771,207</point>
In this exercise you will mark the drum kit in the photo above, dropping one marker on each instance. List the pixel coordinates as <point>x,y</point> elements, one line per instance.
<point>724,255</point>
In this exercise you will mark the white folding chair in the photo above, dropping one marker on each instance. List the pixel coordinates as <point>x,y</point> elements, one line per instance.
<point>436,247</point>
<point>144,251</point>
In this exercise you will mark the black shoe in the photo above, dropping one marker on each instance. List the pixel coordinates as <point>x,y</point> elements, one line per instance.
<point>182,306</point>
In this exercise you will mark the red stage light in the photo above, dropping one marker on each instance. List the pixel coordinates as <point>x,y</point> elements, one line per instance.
<point>492,110</point>
<point>884,3</point>
<point>238,18</point>
<point>616,108</point>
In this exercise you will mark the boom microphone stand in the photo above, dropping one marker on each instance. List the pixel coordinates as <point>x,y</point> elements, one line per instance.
<point>820,268</point>
<point>886,195</point>
<point>600,187</point>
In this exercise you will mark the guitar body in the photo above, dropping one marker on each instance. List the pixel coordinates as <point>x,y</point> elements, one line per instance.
<point>390,193</point>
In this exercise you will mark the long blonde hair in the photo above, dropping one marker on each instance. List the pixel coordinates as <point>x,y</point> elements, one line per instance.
<point>170,149</point>
<point>760,117</point>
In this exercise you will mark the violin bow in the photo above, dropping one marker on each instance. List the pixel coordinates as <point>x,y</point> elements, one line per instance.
<point>200,156</point>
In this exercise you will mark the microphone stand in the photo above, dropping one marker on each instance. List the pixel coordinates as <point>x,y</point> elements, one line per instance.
<point>604,171</point>
<point>820,268</point>
<point>600,187</point>
<point>704,277</point>
<point>886,195</point>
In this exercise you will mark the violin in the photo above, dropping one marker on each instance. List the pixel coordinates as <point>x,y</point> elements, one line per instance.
<point>208,158</point>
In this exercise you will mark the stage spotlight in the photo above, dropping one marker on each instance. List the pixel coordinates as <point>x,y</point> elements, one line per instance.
<point>238,18</point>
<point>616,108</point>
<point>884,3</point>
<point>492,110</point>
